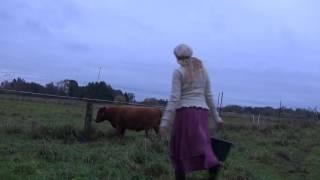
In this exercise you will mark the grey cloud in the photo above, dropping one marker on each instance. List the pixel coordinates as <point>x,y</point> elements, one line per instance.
<point>77,47</point>
<point>5,16</point>
<point>37,28</point>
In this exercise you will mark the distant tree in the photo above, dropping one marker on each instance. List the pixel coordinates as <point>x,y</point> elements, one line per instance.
<point>98,90</point>
<point>129,97</point>
<point>117,93</point>
<point>34,87</point>
<point>162,102</point>
<point>126,97</point>
<point>51,88</point>
<point>233,108</point>
<point>150,101</point>
<point>73,88</point>
<point>69,87</point>
<point>5,84</point>
<point>269,111</point>
<point>119,99</point>
<point>18,84</point>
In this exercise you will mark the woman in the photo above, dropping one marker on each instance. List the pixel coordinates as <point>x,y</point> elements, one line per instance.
<point>190,102</point>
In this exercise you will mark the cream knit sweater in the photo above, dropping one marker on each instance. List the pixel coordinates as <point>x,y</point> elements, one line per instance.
<point>183,94</point>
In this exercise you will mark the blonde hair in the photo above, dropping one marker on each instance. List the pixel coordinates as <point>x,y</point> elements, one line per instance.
<point>193,67</point>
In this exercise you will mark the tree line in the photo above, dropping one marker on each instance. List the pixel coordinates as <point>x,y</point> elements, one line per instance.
<point>94,90</point>
<point>102,90</point>
<point>298,113</point>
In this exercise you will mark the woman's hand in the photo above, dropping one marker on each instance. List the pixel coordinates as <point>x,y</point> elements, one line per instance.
<point>163,133</point>
<point>221,125</point>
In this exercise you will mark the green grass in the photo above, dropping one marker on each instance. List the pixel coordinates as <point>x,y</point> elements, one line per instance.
<point>41,139</point>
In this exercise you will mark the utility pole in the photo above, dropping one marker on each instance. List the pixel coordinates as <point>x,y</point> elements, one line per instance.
<point>218,99</point>
<point>280,108</point>
<point>99,74</point>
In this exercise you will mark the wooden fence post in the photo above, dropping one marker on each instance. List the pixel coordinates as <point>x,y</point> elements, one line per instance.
<point>88,118</point>
<point>253,122</point>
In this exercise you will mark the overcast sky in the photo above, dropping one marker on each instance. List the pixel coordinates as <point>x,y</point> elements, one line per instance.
<point>257,51</point>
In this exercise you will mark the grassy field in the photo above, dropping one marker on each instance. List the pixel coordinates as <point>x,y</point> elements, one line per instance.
<point>40,139</point>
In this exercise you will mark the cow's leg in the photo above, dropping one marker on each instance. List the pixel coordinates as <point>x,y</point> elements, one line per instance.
<point>156,129</point>
<point>146,132</point>
<point>122,132</point>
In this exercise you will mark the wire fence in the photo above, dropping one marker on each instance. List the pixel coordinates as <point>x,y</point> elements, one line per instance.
<point>84,108</point>
<point>89,103</point>
<point>97,101</point>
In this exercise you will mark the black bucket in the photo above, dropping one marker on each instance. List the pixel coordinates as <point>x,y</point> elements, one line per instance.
<point>221,148</point>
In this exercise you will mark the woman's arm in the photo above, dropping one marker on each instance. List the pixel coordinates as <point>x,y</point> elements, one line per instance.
<point>174,99</point>
<point>210,101</point>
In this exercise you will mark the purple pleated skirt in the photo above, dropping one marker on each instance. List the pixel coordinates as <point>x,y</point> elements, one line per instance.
<point>190,146</point>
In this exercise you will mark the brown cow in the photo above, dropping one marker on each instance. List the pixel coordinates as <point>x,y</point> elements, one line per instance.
<point>134,118</point>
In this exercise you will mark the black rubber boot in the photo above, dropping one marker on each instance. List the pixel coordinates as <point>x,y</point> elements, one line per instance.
<point>180,175</point>
<point>213,172</point>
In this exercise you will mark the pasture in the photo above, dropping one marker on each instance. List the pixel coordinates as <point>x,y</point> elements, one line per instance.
<point>41,139</point>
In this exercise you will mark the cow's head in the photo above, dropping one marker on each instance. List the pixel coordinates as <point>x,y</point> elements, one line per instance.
<point>102,114</point>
